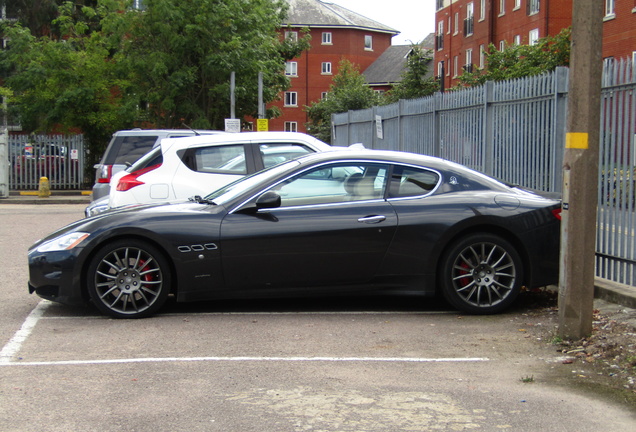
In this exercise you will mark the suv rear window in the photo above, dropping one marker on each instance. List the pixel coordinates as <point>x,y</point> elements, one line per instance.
<point>130,148</point>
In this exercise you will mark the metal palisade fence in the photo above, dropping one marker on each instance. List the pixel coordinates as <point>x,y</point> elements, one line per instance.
<point>515,131</point>
<point>59,158</point>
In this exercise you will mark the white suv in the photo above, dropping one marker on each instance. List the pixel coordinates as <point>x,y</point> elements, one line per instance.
<point>184,167</point>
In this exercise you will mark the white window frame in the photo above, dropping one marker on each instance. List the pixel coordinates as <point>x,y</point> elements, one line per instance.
<point>517,40</point>
<point>291,99</point>
<point>456,23</point>
<point>533,36</point>
<point>455,66</point>
<point>482,10</point>
<point>482,56</point>
<point>610,9</point>
<point>324,95</point>
<point>502,7</point>
<point>440,68</point>
<point>469,56</point>
<point>327,38</point>
<point>533,7</point>
<point>450,25</point>
<point>291,35</point>
<point>368,42</point>
<point>440,28</point>
<point>291,126</point>
<point>325,68</point>
<point>517,5</point>
<point>502,45</point>
<point>291,68</point>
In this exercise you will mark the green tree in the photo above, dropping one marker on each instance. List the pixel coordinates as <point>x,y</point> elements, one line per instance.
<point>517,61</point>
<point>415,83</point>
<point>348,91</point>
<point>181,54</point>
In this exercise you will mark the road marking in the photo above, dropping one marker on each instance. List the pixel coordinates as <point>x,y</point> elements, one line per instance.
<point>250,359</point>
<point>13,346</point>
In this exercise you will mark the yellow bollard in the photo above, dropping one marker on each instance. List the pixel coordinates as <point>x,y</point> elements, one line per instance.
<point>44,190</point>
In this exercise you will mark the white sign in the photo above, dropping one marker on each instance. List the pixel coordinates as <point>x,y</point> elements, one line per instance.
<point>74,154</point>
<point>233,125</point>
<point>378,127</point>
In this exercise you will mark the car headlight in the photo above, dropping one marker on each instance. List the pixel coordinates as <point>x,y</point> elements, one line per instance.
<point>63,242</point>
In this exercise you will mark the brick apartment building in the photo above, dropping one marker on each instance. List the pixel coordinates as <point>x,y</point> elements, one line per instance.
<point>465,28</point>
<point>336,34</point>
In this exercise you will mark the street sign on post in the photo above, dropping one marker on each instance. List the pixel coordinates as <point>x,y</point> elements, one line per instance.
<point>233,125</point>
<point>262,125</point>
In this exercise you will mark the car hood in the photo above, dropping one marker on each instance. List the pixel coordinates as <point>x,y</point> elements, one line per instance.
<point>136,216</point>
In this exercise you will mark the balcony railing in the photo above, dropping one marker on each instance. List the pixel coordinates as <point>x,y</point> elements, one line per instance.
<point>469,26</point>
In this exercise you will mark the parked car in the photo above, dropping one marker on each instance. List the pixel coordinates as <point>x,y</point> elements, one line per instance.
<point>126,147</point>
<point>325,223</point>
<point>181,168</point>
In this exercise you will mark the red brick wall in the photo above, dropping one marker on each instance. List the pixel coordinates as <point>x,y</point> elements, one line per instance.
<point>619,32</point>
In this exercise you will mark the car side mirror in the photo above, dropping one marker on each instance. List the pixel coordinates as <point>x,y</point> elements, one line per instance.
<point>269,199</point>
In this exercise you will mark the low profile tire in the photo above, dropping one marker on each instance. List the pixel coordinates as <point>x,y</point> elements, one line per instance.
<point>128,279</point>
<point>481,274</point>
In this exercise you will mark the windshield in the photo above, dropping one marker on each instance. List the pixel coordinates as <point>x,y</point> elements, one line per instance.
<point>236,188</point>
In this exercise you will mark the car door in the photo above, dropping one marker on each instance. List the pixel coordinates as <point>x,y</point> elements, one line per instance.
<point>333,227</point>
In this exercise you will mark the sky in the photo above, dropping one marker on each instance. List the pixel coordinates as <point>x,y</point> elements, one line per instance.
<point>415,19</point>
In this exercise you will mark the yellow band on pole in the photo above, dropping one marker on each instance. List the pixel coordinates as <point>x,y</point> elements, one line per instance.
<point>576,140</point>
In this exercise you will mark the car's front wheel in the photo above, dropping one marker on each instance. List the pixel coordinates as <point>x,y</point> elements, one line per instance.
<point>128,279</point>
<point>481,274</point>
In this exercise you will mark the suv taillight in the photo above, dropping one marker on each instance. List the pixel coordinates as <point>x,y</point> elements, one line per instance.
<point>131,180</point>
<point>105,173</point>
<point>557,213</point>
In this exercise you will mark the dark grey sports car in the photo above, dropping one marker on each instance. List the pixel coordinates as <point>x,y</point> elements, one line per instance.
<point>328,223</point>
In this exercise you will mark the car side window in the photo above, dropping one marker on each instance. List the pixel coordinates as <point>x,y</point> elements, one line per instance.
<point>334,183</point>
<point>217,159</point>
<point>275,153</point>
<point>412,182</point>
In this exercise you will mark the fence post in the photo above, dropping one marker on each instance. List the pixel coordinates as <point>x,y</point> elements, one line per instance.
<point>560,116</point>
<point>437,121</point>
<point>488,143</point>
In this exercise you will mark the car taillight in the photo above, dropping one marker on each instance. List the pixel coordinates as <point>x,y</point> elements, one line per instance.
<point>557,213</point>
<point>105,173</point>
<point>131,180</point>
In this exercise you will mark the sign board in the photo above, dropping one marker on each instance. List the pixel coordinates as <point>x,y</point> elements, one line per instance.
<point>28,151</point>
<point>262,125</point>
<point>233,125</point>
<point>378,127</point>
<point>74,154</point>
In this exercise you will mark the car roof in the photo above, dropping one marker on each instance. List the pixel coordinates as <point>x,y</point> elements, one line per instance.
<point>243,137</point>
<point>142,132</point>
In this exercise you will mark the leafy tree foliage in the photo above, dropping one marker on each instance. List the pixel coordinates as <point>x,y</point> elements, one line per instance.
<point>415,83</point>
<point>347,92</point>
<point>517,61</point>
<point>107,67</point>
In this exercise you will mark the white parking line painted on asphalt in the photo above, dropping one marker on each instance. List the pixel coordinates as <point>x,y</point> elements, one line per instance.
<point>13,346</point>
<point>251,359</point>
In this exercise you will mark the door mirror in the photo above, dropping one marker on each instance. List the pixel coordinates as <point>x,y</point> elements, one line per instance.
<point>269,199</point>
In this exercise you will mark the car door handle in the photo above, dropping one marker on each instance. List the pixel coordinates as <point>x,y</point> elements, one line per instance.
<point>372,219</point>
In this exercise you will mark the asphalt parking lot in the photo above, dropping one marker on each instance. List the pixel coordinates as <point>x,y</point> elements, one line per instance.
<point>350,364</point>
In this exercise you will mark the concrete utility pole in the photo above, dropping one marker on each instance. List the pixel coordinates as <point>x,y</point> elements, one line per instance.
<point>580,171</point>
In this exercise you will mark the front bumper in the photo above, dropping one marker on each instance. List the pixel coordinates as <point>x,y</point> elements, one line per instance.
<point>56,276</point>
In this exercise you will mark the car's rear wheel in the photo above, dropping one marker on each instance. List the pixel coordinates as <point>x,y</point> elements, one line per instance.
<point>481,274</point>
<point>128,279</point>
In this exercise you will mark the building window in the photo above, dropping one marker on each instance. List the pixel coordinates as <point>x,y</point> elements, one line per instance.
<point>482,56</point>
<point>533,37</point>
<point>291,126</point>
<point>439,4</point>
<point>291,68</point>
<point>502,7</point>
<point>468,67</point>
<point>456,24</point>
<point>440,69</point>
<point>291,99</point>
<point>323,95</point>
<point>368,42</point>
<point>439,37</point>
<point>517,40</point>
<point>469,23</point>
<point>455,66</point>
<point>517,4</point>
<point>326,68</point>
<point>326,38</point>
<point>502,45</point>
<point>610,6</point>
<point>292,36</point>
<point>450,25</point>
<point>533,7</point>
<point>138,5</point>
<point>482,10</point>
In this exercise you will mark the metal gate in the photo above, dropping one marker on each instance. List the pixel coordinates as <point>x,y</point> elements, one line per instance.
<point>60,158</point>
